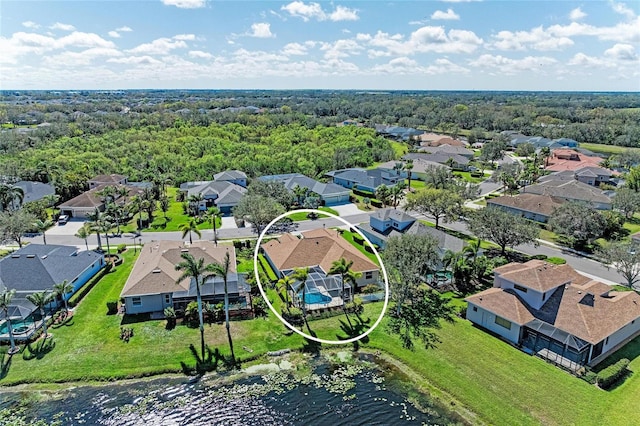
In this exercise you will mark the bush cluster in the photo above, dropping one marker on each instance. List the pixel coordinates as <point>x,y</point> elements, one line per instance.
<point>612,373</point>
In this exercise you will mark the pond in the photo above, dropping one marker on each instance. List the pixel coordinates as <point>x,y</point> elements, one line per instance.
<point>327,393</point>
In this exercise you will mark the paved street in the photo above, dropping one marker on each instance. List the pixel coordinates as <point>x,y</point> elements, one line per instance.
<point>587,266</point>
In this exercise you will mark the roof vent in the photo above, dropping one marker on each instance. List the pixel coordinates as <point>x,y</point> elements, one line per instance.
<point>44,256</point>
<point>184,250</point>
<point>15,256</point>
<point>156,271</point>
<point>31,256</point>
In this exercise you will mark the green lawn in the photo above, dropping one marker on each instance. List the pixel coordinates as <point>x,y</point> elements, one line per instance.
<point>348,235</point>
<point>298,217</point>
<point>175,216</point>
<point>468,178</point>
<point>399,148</point>
<point>606,149</point>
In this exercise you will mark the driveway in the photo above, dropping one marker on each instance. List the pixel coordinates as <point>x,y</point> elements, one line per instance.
<point>228,222</point>
<point>347,209</point>
<point>70,228</point>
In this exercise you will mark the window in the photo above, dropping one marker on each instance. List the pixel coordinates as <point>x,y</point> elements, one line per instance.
<point>136,301</point>
<point>167,299</point>
<point>520,288</point>
<point>503,323</point>
<point>475,309</point>
<point>368,275</point>
<point>544,296</point>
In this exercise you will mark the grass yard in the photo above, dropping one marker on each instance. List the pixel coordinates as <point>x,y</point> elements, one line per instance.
<point>606,149</point>
<point>298,217</point>
<point>466,176</point>
<point>348,235</point>
<point>175,216</point>
<point>399,148</point>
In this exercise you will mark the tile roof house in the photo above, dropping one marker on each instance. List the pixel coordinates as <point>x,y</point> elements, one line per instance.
<point>571,190</point>
<point>87,202</point>
<point>34,191</point>
<point>234,176</point>
<point>151,286</point>
<point>531,206</point>
<point>568,159</point>
<point>330,194</point>
<point>397,132</point>
<point>317,248</point>
<point>457,162</point>
<point>448,149</point>
<point>433,139</point>
<point>38,267</point>
<point>556,313</point>
<point>366,180</point>
<point>593,175</point>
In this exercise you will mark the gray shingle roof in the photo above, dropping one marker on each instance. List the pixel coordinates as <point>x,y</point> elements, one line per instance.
<point>230,175</point>
<point>393,214</point>
<point>291,180</point>
<point>569,190</point>
<point>34,191</point>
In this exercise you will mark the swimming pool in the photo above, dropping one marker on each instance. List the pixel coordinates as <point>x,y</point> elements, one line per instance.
<point>17,327</point>
<point>316,298</point>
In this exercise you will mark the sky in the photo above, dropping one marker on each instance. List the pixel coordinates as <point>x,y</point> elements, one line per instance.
<point>530,45</point>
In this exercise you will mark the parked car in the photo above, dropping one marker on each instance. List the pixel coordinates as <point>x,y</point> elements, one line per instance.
<point>63,219</point>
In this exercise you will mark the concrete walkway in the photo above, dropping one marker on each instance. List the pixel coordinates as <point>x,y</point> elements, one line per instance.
<point>228,222</point>
<point>347,209</point>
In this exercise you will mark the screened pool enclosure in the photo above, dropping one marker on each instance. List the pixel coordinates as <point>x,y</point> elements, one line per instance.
<point>320,290</point>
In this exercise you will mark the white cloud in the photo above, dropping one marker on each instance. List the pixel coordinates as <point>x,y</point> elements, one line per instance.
<point>445,66</point>
<point>623,52</point>
<point>425,39</point>
<point>313,10</point>
<point>401,65</point>
<point>63,27</point>
<point>124,29</point>
<point>261,30</point>
<point>509,66</point>
<point>582,60</point>
<point>448,15</point>
<point>185,37</point>
<point>135,60</point>
<point>160,46</point>
<point>30,24</point>
<point>83,58</point>
<point>622,9</point>
<point>537,39</point>
<point>185,4</point>
<point>114,34</point>
<point>200,54</point>
<point>577,14</point>
<point>341,49</point>
<point>343,14</point>
<point>294,49</point>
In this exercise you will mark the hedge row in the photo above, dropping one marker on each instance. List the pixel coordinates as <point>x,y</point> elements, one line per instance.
<point>80,294</point>
<point>612,373</point>
<point>362,193</point>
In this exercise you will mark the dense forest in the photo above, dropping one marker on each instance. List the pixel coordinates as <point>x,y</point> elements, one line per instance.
<point>66,137</point>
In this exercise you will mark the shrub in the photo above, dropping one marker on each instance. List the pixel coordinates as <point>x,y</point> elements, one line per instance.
<point>539,257</point>
<point>376,203</point>
<point>122,248</point>
<point>76,298</point>
<point>358,239</point>
<point>293,316</point>
<point>112,307</point>
<point>355,307</point>
<point>556,260</point>
<point>612,373</point>
<point>590,377</point>
<point>362,193</point>
<point>371,288</point>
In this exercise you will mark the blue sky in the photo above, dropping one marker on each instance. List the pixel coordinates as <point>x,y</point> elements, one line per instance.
<point>381,45</point>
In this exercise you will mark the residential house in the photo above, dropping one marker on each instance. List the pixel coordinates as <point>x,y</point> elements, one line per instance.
<point>366,180</point>
<point>234,176</point>
<point>571,190</point>
<point>455,161</point>
<point>531,206</point>
<point>152,287</point>
<point>420,166</point>
<point>317,249</point>
<point>448,149</point>
<point>223,194</point>
<point>568,159</point>
<point>34,191</point>
<point>566,142</point>
<point>433,139</point>
<point>112,179</point>
<point>330,194</point>
<point>593,175</point>
<point>86,203</point>
<point>38,267</point>
<point>397,132</point>
<point>556,313</point>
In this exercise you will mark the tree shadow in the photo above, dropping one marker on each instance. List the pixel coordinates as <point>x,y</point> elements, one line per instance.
<point>38,349</point>
<point>134,318</point>
<point>67,322</point>
<point>355,329</point>
<point>210,362</point>
<point>311,346</point>
<point>5,364</point>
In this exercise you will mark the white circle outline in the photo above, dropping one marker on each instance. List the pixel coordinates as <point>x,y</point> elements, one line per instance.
<point>285,322</point>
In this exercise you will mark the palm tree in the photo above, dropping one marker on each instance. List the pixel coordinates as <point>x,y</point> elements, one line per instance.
<point>300,192</point>
<point>408,166</point>
<point>8,195</point>
<point>92,225</point>
<point>188,228</point>
<point>42,226</point>
<point>397,193</point>
<point>545,152</point>
<point>199,272</point>
<point>5,301</point>
<point>41,299</point>
<point>61,289</point>
<point>301,274</point>
<point>214,213</point>
<point>194,203</point>
<point>342,267</point>
<point>472,249</point>
<point>105,225</point>
<point>222,270</point>
<point>84,233</point>
<point>286,283</point>
<point>135,206</point>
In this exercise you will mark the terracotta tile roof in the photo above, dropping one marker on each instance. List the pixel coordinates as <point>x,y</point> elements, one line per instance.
<point>568,159</point>
<point>539,275</point>
<point>154,271</point>
<point>541,204</point>
<point>318,247</point>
